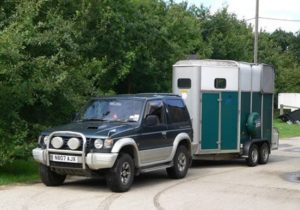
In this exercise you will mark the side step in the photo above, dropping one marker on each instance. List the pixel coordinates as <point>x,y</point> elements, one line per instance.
<point>156,167</point>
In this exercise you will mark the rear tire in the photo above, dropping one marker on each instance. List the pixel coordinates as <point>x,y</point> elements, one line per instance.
<point>253,155</point>
<point>120,177</point>
<point>264,152</point>
<point>50,178</point>
<point>181,163</point>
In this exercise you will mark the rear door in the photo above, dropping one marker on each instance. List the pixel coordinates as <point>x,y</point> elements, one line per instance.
<point>210,121</point>
<point>219,109</point>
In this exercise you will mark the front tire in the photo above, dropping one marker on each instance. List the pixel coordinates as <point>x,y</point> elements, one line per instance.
<point>264,152</point>
<point>252,159</point>
<point>120,177</point>
<point>181,163</point>
<point>50,178</point>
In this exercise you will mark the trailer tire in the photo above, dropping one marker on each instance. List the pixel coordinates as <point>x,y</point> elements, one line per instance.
<point>253,156</point>
<point>49,177</point>
<point>264,152</point>
<point>181,163</point>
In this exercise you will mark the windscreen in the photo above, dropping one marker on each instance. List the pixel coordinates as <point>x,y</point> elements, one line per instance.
<point>127,110</point>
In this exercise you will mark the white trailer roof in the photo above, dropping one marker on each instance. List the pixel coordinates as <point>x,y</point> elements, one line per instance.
<point>207,62</point>
<point>239,75</point>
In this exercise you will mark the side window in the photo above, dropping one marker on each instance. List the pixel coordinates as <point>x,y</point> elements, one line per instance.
<point>220,83</point>
<point>176,111</point>
<point>156,107</point>
<point>184,83</point>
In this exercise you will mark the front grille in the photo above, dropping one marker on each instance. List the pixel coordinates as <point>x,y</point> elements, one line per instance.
<point>65,165</point>
<point>89,145</point>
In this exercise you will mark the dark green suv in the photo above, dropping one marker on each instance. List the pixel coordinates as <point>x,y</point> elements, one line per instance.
<point>119,137</point>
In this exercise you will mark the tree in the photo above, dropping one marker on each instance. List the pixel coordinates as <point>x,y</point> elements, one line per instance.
<point>158,35</point>
<point>227,37</point>
<point>283,39</point>
<point>55,55</point>
<point>42,73</point>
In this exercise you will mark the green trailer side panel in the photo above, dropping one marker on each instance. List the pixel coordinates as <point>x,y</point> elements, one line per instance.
<point>256,104</point>
<point>210,120</point>
<point>267,116</point>
<point>245,111</point>
<point>229,120</point>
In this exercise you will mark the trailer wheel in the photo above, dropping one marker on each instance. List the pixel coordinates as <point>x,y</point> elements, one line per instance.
<point>253,156</point>
<point>264,152</point>
<point>50,178</point>
<point>181,163</point>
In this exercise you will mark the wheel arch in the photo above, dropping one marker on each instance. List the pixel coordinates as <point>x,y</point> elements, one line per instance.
<point>182,139</point>
<point>127,145</point>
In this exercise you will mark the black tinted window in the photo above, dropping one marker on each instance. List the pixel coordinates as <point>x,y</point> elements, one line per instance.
<point>220,83</point>
<point>184,83</point>
<point>176,111</point>
<point>156,108</point>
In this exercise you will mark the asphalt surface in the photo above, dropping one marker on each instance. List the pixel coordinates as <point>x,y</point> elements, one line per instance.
<point>208,185</point>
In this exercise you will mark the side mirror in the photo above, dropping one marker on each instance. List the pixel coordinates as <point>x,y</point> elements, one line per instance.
<point>151,120</point>
<point>76,116</point>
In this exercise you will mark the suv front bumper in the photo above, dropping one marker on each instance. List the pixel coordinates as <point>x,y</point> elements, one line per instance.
<point>94,161</point>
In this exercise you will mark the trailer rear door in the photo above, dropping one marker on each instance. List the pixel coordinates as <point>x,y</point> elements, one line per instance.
<point>219,124</point>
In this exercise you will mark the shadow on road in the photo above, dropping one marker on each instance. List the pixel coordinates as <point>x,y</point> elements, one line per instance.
<point>158,177</point>
<point>91,184</point>
<point>217,163</point>
<point>84,183</point>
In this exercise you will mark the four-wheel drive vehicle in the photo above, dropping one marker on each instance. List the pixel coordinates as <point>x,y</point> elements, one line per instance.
<point>119,137</point>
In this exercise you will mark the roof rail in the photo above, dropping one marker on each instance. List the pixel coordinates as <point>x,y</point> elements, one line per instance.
<point>157,94</point>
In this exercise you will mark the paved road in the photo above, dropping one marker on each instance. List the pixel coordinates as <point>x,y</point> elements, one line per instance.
<point>209,185</point>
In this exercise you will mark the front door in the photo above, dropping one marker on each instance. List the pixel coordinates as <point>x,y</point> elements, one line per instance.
<point>152,142</point>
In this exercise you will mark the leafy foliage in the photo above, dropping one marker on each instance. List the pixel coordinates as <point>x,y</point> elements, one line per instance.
<point>55,55</point>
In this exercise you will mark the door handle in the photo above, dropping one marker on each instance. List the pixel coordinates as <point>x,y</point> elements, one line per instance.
<point>164,133</point>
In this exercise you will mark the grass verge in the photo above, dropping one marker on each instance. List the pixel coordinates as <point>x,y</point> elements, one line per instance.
<point>286,130</point>
<point>19,171</point>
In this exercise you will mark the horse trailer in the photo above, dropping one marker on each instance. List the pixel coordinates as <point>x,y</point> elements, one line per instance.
<point>231,106</point>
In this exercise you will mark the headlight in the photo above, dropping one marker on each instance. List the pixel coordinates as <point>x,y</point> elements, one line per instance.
<point>57,142</point>
<point>73,143</point>
<point>108,143</point>
<point>46,140</point>
<point>98,143</point>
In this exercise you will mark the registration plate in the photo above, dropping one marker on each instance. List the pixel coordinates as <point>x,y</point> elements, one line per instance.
<point>65,158</point>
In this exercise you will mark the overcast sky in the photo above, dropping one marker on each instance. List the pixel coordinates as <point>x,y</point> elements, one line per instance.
<point>245,9</point>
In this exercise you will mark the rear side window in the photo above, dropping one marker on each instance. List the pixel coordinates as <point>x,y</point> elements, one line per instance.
<point>176,111</point>
<point>220,83</point>
<point>184,83</point>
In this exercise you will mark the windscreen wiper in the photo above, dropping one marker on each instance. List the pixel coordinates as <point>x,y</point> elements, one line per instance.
<point>123,120</point>
<point>93,119</point>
